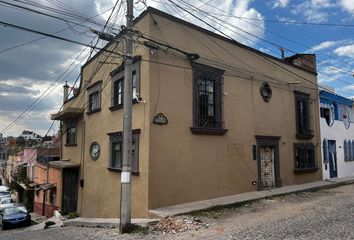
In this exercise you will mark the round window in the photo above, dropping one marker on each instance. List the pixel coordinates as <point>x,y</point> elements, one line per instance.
<point>266,91</point>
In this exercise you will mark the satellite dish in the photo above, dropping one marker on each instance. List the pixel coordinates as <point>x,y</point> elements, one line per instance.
<point>345,117</point>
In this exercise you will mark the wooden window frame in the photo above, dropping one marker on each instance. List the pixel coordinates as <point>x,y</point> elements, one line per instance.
<point>94,90</point>
<point>70,141</point>
<point>118,77</point>
<point>207,115</point>
<point>117,138</point>
<point>303,115</point>
<point>308,151</point>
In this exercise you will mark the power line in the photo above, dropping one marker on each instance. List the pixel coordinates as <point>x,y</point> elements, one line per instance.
<point>38,99</point>
<point>97,69</point>
<point>42,13</point>
<point>37,39</point>
<point>287,22</point>
<point>49,35</point>
<point>233,39</point>
<point>69,15</point>
<point>275,44</point>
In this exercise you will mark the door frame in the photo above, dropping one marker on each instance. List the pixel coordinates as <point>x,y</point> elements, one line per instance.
<point>268,141</point>
<point>64,189</point>
<point>335,157</point>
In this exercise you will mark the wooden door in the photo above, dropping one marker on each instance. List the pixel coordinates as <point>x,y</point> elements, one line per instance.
<point>267,166</point>
<point>70,190</point>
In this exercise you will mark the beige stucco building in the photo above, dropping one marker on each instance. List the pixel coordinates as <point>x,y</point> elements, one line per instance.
<point>211,118</point>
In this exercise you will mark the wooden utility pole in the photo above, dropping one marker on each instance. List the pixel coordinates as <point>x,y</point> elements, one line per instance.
<point>125,196</point>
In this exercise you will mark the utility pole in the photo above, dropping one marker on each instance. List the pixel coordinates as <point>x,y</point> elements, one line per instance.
<point>125,195</point>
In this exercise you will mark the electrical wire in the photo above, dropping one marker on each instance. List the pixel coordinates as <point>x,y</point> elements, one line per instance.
<point>37,39</point>
<point>256,53</point>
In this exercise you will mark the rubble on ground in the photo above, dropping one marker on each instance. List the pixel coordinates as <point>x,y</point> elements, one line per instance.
<point>178,224</point>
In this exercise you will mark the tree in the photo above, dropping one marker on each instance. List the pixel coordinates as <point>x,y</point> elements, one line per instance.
<point>21,141</point>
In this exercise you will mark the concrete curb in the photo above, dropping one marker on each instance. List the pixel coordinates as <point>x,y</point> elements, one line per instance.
<point>244,198</point>
<point>105,222</point>
<point>239,199</point>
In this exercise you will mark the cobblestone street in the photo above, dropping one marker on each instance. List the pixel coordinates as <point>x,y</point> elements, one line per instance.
<point>326,214</point>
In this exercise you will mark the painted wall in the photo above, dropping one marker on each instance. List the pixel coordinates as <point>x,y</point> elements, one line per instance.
<point>338,133</point>
<point>100,196</point>
<point>46,175</point>
<point>30,156</point>
<point>176,166</point>
<point>188,167</point>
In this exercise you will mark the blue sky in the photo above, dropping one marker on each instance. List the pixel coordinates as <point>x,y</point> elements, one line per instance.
<point>32,73</point>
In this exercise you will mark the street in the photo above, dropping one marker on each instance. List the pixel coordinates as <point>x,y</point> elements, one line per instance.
<point>325,214</point>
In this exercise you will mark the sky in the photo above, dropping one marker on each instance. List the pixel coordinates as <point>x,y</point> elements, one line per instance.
<point>33,68</point>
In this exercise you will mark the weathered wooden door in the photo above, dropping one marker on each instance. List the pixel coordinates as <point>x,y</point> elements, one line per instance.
<point>70,190</point>
<point>267,166</point>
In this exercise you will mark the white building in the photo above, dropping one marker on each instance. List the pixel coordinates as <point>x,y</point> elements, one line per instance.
<point>29,135</point>
<point>337,135</point>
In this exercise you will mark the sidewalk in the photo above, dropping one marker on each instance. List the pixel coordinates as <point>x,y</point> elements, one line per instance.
<point>248,197</point>
<point>37,218</point>
<point>202,205</point>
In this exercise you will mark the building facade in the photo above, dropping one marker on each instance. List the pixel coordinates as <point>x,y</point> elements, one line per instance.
<point>337,135</point>
<point>211,118</point>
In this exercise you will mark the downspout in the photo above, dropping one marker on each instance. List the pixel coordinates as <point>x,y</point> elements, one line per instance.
<point>82,163</point>
<point>43,207</point>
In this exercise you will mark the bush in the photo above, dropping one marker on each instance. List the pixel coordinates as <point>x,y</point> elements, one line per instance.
<point>73,215</point>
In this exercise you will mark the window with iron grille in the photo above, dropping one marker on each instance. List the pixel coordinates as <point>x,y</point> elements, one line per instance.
<point>207,100</point>
<point>116,146</point>
<point>305,156</point>
<point>303,115</point>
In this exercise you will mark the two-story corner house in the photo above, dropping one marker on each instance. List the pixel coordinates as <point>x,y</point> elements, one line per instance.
<point>337,135</point>
<point>211,118</point>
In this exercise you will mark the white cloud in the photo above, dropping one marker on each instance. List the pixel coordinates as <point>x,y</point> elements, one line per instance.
<point>324,45</point>
<point>314,10</point>
<point>346,88</point>
<point>231,26</point>
<point>280,3</point>
<point>345,51</point>
<point>347,5</point>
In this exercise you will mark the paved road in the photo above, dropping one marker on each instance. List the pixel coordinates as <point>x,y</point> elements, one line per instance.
<point>325,214</point>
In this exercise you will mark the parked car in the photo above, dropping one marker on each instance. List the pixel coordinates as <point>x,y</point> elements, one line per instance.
<point>4,197</point>
<point>5,203</point>
<point>15,217</point>
<point>4,189</point>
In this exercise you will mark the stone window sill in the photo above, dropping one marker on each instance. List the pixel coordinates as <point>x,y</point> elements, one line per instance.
<point>208,131</point>
<point>120,170</point>
<point>70,145</point>
<point>305,136</point>
<point>93,111</point>
<point>305,170</point>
